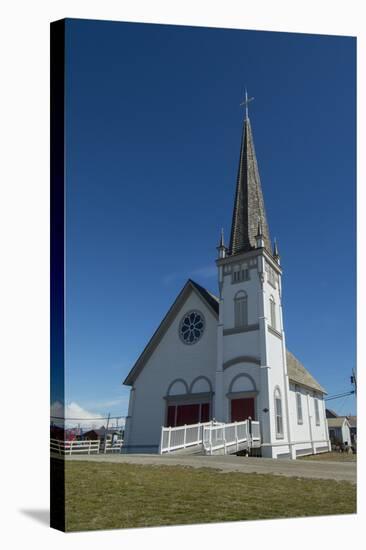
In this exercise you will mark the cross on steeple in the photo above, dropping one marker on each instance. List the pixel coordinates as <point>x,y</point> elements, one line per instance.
<point>245,102</point>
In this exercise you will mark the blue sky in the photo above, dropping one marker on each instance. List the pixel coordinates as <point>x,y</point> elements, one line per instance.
<point>153,135</point>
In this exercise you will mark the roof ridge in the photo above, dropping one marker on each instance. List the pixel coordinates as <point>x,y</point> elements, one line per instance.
<point>210,300</point>
<point>203,288</point>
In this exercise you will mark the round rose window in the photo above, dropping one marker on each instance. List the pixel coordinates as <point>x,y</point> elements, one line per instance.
<point>191,327</point>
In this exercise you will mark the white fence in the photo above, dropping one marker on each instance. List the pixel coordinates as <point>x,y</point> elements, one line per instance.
<point>236,435</point>
<point>181,437</point>
<point>86,447</point>
<point>75,447</point>
<point>213,436</point>
<point>113,446</point>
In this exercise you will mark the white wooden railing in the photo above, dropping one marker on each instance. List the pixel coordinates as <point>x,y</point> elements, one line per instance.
<point>87,446</point>
<point>181,437</point>
<point>75,447</point>
<point>213,436</point>
<point>113,446</point>
<point>234,435</point>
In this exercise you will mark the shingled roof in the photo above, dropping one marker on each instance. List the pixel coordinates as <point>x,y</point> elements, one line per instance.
<point>298,373</point>
<point>212,300</point>
<point>249,208</point>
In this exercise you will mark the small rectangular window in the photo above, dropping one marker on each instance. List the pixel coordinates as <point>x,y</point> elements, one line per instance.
<point>299,407</point>
<point>271,276</point>
<point>273,313</point>
<point>244,274</point>
<point>240,273</point>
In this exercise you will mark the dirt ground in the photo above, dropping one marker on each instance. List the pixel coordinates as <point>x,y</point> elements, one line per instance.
<point>314,469</point>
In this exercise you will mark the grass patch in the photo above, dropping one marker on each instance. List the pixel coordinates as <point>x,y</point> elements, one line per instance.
<point>114,496</point>
<point>333,456</point>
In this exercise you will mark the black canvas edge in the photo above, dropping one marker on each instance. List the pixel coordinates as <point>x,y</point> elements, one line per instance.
<point>57,255</point>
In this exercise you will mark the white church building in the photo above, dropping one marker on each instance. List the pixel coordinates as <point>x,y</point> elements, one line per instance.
<point>224,357</point>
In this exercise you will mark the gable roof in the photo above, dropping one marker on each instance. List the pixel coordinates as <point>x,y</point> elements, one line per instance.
<point>329,413</point>
<point>299,374</point>
<point>337,422</point>
<point>210,300</point>
<point>296,370</point>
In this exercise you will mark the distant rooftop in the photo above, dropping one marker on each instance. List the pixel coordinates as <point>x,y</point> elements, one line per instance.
<point>336,422</point>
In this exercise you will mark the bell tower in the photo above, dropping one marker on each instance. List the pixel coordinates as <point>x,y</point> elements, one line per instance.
<point>251,371</point>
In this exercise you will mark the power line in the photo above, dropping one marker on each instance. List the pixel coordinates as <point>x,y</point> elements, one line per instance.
<point>340,395</point>
<point>90,419</point>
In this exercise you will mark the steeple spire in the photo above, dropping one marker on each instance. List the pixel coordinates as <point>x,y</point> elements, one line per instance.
<point>259,240</point>
<point>222,243</point>
<point>249,209</point>
<point>276,254</point>
<point>222,248</point>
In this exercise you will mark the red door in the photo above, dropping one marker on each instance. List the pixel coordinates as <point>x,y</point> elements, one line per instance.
<point>205,412</point>
<point>188,414</point>
<point>178,415</point>
<point>171,415</point>
<point>241,409</point>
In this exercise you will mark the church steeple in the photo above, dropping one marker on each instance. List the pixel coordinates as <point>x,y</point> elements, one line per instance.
<point>249,208</point>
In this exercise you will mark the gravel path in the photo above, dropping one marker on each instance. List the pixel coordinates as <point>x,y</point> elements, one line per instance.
<point>339,471</point>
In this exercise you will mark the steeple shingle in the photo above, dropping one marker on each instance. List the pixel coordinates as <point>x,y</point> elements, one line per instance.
<point>249,209</point>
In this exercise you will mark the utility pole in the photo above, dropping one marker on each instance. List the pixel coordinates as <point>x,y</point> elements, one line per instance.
<point>354,381</point>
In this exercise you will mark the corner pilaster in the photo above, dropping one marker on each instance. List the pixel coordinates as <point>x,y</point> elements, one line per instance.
<point>219,413</point>
<point>264,398</point>
<point>128,424</point>
<point>285,375</point>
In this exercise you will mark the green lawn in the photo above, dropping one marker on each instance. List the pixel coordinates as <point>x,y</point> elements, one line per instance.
<point>333,456</point>
<point>107,496</point>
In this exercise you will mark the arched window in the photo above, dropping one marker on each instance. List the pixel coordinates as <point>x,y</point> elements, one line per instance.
<point>278,413</point>
<point>272,305</point>
<point>241,309</point>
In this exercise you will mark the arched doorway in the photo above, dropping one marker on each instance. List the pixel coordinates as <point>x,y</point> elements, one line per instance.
<point>242,398</point>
